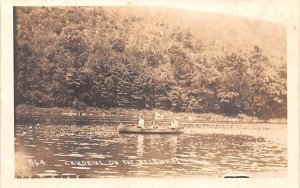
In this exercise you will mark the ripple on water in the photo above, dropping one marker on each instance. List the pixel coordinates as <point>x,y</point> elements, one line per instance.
<point>182,156</point>
<point>132,157</point>
<point>49,142</point>
<point>89,153</point>
<point>81,168</point>
<point>69,141</point>
<point>27,156</point>
<point>69,155</point>
<point>50,171</point>
<point>74,155</point>
<point>99,156</point>
<point>68,174</point>
<point>83,144</point>
<point>84,147</point>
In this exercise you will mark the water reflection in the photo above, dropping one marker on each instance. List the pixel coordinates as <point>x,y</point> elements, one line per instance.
<point>99,151</point>
<point>173,144</point>
<point>140,146</point>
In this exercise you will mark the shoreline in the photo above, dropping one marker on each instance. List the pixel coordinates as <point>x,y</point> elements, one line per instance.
<point>132,114</point>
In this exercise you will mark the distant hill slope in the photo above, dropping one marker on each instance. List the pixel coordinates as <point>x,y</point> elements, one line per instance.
<point>149,58</point>
<point>218,31</point>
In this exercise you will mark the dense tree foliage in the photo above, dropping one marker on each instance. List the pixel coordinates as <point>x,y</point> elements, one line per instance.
<point>102,58</point>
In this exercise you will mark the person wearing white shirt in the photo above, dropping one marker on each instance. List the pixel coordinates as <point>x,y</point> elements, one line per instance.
<point>141,123</point>
<point>174,124</point>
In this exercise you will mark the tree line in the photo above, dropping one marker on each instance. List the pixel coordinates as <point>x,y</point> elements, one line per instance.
<point>95,57</point>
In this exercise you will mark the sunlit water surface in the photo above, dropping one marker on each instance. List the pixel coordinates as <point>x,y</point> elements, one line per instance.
<point>93,151</point>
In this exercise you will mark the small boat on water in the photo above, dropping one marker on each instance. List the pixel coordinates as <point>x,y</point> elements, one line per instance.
<point>137,130</point>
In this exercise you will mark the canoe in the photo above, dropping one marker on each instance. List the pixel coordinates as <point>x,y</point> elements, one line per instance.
<point>138,130</point>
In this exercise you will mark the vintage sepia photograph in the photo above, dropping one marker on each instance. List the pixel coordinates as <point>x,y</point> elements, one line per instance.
<point>148,92</point>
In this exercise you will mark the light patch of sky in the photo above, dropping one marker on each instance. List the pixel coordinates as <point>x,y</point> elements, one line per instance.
<point>276,11</point>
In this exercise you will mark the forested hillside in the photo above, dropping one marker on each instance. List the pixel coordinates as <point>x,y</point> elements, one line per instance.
<point>149,58</point>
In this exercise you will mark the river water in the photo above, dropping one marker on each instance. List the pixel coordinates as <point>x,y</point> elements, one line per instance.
<point>98,151</point>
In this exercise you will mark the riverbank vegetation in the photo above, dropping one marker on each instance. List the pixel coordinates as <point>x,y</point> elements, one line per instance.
<point>125,114</point>
<point>148,58</point>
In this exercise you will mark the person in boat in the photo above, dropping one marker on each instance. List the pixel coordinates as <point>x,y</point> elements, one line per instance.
<point>174,124</point>
<point>141,123</point>
<point>154,125</point>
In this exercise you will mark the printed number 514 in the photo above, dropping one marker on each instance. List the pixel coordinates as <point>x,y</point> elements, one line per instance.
<point>36,162</point>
